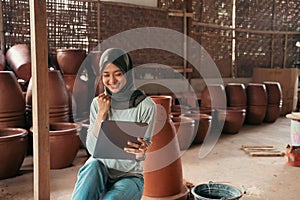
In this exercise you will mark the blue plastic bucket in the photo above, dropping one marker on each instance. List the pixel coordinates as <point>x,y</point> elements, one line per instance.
<point>214,191</point>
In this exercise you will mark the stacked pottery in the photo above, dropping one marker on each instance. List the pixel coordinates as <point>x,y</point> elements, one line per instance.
<point>13,148</point>
<point>70,61</point>
<point>64,144</point>
<point>19,59</point>
<point>274,101</point>
<point>256,103</point>
<point>202,125</point>
<point>184,131</point>
<point>163,170</point>
<point>233,116</point>
<point>58,97</point>
<point>2,61</point>
<point>12,103</point>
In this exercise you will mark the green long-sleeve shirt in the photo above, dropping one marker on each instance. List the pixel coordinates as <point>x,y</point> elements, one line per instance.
<point>144,112</point>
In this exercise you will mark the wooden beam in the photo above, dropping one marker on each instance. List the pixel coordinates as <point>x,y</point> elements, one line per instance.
<point>2,40</point>
<point>39,62</point>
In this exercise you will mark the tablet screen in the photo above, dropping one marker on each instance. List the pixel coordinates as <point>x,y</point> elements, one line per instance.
<point>113,137</point>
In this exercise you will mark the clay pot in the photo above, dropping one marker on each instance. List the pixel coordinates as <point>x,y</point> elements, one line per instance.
<point>185,131</point>
<point>232,118</point>
<point>79,90</point>
<point>164,148</point>
<point>177,110</point>
<point>19,59</point>
<point>256,94</point>
<point>236,95</point>
<point>255,114</point>
<point>272,113</point>
<point>12,106</point>
<point>70,60</point>
<point>204,125</point>
<point>64,144</point>
<point>13,148</point>
<point>274,92</point>
<point>2,61</point>
<point>214,93</point>
<point>293,155</point>
<point>58,97</point>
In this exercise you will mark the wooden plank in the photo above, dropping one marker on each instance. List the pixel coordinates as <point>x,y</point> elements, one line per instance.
<point>39,62</point>
<point>267,154</point>
<point>2,38</point>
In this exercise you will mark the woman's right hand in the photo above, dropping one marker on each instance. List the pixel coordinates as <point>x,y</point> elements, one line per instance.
<point>104,102</point>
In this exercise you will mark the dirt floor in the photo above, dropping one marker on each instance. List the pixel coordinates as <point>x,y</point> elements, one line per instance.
<point>263,178</point>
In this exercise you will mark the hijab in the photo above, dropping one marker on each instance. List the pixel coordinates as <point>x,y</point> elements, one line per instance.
<point>128,96</point>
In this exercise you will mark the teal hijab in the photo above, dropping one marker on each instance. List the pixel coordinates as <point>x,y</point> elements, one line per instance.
<point>128,96</point>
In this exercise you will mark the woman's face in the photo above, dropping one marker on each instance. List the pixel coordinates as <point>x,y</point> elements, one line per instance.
<point>113,78</point>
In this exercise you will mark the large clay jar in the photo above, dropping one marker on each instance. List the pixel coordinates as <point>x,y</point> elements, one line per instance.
<point>79,89</point>
<point>70,60</point>
<point>19,59</point>
<point>177,110</point>
<point>58,97</point>
<point>256,103</point>
<point>274,101</point>
<point>163,170</point>
<point>232,118</point>
<point>236,95</point>
<point>213,96</point>
<point>13,148</point>
<point>12,103</point>
<point>204,122</point>
<point>64,144</point>
<point>2,60</point>
<point>184,131</point>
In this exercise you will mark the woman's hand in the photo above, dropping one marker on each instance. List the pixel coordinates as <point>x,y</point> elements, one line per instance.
<point>138,149</point>
<point>104,102</point>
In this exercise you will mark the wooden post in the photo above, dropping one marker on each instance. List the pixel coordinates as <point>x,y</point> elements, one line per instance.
<point>233,46</point>
<point>39,62</point>
<point>99,24</point>
<point>285,50</point>
<point>2,39</point>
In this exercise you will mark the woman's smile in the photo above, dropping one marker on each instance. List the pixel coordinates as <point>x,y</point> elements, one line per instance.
<point>113,78</point>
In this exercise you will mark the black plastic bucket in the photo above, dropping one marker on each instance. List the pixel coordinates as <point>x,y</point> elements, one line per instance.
<point>214,191</point>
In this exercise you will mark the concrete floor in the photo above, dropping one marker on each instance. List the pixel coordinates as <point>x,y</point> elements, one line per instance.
<point>264,178</point>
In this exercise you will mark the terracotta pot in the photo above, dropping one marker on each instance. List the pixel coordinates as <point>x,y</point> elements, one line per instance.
<point>255,114</point>
<point>19,59</point>
<point>2,61</point>
<point>272,113</point>
<point>79,90</point>
<point>274,92</point>
<point>177,110</point>
<point>293,155</point>
<point>185,131</point>
<point>58,97</point>
<point>70,60</point>
<point>236,95</point>
<point>13,147</point>
<point>232,118</point>
<point>64,144</point>
<point>12,106</point>
<point>164,148</point>
<point>204,125</point>
<point>256,94</point>
<point>214,93</point>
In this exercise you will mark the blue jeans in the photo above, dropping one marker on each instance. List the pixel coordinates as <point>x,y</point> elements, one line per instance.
<point>93,183</point>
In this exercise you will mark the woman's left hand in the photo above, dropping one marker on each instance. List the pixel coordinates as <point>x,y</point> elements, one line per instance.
<point>138,149</point>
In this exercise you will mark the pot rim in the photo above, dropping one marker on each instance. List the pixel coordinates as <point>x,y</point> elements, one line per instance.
<point>21,133</point>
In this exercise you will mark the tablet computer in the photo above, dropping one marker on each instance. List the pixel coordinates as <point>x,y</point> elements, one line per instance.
<point>113,137</point>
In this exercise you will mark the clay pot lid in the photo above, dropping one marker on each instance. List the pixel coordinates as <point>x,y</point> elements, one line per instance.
<point>294,116</point>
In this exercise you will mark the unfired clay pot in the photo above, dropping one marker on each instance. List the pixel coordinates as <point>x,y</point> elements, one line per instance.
<point>233,119</point>
<point>70,60</point>
<point>236,95</point>
<point>12,103</point>
<point>204,125</point>
<point>13,148</point>
<point>166,180</point>
<point>185,131</point>
<point>19,59</point>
